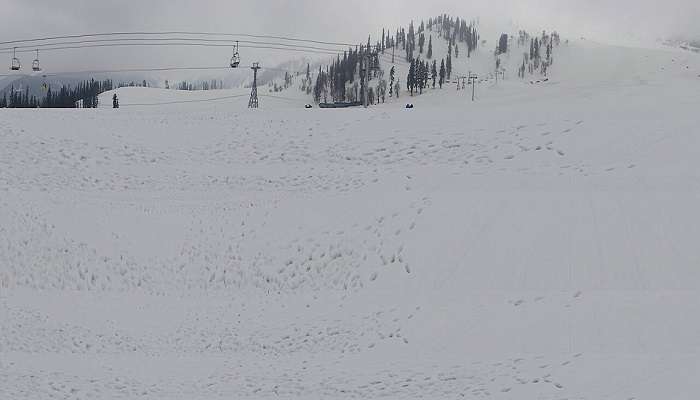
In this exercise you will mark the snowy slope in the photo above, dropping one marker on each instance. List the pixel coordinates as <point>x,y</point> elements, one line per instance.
<point>539,243</point>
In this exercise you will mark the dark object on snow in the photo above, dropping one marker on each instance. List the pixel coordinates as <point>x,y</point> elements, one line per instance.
<point>115,101</point>
<point>409,106</point>
<point>340,104</point>
<point>308,106</point>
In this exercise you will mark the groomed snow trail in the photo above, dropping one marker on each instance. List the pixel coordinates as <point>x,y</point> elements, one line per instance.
<point>538,244</point>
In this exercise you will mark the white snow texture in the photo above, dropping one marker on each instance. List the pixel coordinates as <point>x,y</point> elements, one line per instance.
<point>539,243</point>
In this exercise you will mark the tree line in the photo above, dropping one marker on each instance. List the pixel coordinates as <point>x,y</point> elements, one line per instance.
<point>342,79</point>
<point>538,54</point>
<point>213,84</point>
<point>84,95</point>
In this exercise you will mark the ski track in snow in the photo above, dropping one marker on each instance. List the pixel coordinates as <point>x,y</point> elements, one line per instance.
<point>540,249</point>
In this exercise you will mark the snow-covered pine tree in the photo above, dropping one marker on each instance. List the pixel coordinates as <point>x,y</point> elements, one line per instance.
<point>411,78</point>
<point>392,77</point>
<point>430,47</point>
<point>443,73</point>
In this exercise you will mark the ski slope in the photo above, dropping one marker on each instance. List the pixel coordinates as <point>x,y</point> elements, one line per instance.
<point>540,243</point>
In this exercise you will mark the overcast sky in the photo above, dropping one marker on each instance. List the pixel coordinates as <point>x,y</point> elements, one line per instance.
<point>606,20</point>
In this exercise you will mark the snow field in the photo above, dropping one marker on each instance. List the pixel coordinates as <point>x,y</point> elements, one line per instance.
<point>538,244</point>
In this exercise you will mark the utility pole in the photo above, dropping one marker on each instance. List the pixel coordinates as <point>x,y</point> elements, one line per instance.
<point>472,81</point>
<point>253,103</point>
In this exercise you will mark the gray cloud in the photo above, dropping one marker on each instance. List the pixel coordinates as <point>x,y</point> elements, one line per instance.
<point>334,20</point>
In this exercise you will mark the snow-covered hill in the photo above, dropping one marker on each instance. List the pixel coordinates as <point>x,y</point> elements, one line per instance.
<point>539,243</point>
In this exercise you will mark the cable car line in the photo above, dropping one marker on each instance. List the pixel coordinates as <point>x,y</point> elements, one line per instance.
<point>190,33</point>
<point>155,42</point>
<point>127,70</point>
<point>185,101</point>
<point>278,97</point>
<point>23,49</point>
<point>292,49</point>
<point>205,100</point>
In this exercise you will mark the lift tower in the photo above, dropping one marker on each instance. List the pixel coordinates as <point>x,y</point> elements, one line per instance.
<point>253,103</point>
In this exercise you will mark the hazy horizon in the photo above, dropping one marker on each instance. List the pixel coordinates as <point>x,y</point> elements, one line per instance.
<point>623,21</point>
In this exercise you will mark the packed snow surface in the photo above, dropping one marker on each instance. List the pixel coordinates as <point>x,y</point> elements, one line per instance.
<point>539,243</point>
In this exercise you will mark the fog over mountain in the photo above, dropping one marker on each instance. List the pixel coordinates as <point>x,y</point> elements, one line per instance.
<point>622,21</point>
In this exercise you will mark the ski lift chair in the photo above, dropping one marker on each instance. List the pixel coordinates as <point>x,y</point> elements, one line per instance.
<point>236,59</point>
<point>36,67</point>
<point>16,65</point>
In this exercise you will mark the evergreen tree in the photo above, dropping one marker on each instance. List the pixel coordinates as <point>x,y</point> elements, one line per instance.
<point>430,47</point>
<point>410,43</point>
<point>320,84</point>
<point>426,74</point>
<point>381,90</point>
<point>434,72</point>
<point>503,44</point>
<point>411,78</point>
<point>448,65</point>
<point>419,76</point>
<point>443,73</point>
<point>392,77</point>
<point>383,40</point>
